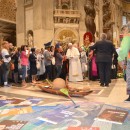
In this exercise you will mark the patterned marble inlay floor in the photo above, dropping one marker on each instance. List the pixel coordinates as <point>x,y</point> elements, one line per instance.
<point>115,94</point>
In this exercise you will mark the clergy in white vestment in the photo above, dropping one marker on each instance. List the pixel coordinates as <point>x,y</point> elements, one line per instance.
<point>75,72</point>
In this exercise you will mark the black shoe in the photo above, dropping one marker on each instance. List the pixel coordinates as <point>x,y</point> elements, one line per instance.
<point>102,84</point>
<point>106,85</point>
<point>127,100</point>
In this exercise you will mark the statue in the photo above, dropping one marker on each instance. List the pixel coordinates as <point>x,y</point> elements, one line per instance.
<point>90,16</point>
<point>107,21</point>
<point>30,40</point>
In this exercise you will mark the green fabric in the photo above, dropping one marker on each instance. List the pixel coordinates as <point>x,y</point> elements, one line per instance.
<point>124,49</point>
<point>65,91</point>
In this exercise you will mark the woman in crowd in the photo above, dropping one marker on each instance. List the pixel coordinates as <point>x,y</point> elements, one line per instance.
<point>83,60</point>
<point>15,59</point>
<point>33,67</point>
<point>24,62</point>
<point>6,62</point>
<point>92,66</point>
<point>40,63</point>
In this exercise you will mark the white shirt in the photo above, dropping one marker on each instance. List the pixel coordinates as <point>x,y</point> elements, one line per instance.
<point>5,52</point>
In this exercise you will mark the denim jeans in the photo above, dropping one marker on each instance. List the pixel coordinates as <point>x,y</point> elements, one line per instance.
<point>24,71</point>
<point>48,72</point>
<point>58,70</point>
<point>5,72</point>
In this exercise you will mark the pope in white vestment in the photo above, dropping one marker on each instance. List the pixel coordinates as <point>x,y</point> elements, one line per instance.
<point>75,72</point>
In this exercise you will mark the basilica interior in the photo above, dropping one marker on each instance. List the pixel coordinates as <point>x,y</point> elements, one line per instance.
<point>36,22</point>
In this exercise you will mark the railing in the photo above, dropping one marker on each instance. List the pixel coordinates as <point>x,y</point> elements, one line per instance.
<point>28,2</point>
<point>66,12</point>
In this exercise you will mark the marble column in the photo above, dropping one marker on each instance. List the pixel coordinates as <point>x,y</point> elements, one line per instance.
<point>100,16</point>
<point>1,40</point>
<point>71,4</point>
<point>20,20</point>
<point>59,4</point>
<point>82,27</point>
<point>43,21</point>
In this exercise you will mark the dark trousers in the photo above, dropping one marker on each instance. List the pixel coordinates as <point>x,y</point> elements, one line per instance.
<point>58,70</point>
<point>1,76</point>
<point>48,73</point>
<point>53,72</point>
<point>104,72</point>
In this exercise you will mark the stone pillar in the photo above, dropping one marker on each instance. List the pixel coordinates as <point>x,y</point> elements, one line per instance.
<point>71,4</point>
<point>37,22</point>
<point>43,21</point>
<point>82,28</point>
<point>20,29</point>
<point>47,20</point>
<point>59,4</point>
<point>37,14</point>
<point>100,16</point>
<point>1,40</point>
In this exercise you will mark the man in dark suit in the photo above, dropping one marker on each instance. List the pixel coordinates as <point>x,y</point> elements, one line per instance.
<point>104,51</point>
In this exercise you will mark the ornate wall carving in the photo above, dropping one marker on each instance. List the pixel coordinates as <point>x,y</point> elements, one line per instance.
<point>66,4</point>
<point>126,10</point>
<point>66,16</point>
<point>8,10</point>
<point>66,12</point>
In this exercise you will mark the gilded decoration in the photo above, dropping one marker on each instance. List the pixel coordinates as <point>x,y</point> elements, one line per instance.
<point>8,10</point>
<point>66,35</point>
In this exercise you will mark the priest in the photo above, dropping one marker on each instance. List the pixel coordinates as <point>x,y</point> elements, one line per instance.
<point>75,72</point>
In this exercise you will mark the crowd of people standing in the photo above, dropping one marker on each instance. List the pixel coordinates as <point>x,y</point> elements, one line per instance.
<point>92,60</point>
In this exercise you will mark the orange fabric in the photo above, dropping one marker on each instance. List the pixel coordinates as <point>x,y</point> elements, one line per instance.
<point>128,56</point>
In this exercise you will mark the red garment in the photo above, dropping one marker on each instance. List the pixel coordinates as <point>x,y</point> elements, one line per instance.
<point>24,58</point>
<point>94,67</point>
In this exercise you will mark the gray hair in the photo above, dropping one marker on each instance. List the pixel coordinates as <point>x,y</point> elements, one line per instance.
<point>103,36</point>
<point>70,44</point>
<point>123,27</point>
<point>128,25</point>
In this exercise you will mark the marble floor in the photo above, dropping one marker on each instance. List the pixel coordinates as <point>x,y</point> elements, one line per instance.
<point>115,94</point>
<point>90,106</point>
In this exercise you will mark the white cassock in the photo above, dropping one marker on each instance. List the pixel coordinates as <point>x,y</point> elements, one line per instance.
<point>75,72</point>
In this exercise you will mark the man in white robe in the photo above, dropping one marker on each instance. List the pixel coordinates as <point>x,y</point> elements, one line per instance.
<point>75,72</point>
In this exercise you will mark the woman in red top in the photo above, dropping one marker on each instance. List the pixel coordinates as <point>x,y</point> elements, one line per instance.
<point>24,62</point>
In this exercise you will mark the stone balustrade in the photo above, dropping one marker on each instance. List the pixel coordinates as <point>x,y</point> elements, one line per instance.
<point>68,13</point>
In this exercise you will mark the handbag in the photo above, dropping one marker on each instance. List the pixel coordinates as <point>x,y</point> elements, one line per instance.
<point>113,72</point>
<point>12,66</point>
<point>38,65</point>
